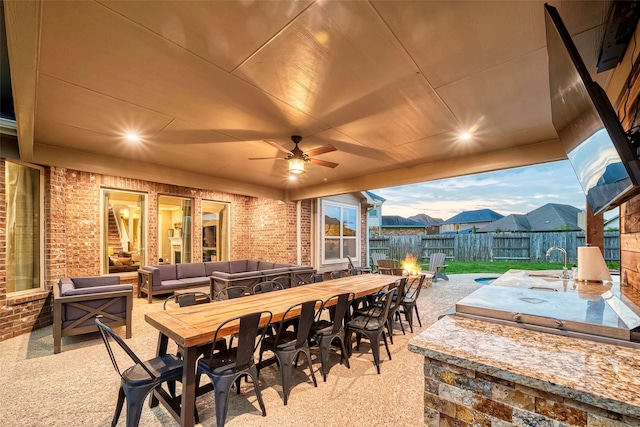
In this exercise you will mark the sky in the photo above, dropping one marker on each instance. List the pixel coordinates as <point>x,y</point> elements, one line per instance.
<point>517,191</point>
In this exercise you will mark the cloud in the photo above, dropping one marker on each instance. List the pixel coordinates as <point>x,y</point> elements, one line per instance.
<point>509,191</point>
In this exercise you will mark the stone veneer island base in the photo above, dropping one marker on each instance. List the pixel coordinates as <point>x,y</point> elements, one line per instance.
<point>480,373</point>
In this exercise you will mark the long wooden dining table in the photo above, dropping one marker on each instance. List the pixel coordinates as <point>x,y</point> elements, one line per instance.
<point>192,326</point>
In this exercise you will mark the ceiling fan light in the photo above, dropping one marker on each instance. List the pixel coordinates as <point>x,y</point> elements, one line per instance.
<point>296,166</point>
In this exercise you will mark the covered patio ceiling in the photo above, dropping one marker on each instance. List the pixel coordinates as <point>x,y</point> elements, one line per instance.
<point>390,84</point>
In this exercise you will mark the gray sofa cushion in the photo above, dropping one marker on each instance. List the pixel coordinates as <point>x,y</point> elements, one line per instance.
<point>253,265</point>
<point>264,265</point>
<point>95,290</point>
<point>274,271</point>
<point>300,267</point>
<point>210,267</point>
<point>167,272</point>
<point>91,281</point>
<point>238,266</point>
<point>194,281</point>
<point>190,270</point>
<point>170,284</point>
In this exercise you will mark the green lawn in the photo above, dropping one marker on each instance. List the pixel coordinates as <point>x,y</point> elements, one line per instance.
<point>498,267</point>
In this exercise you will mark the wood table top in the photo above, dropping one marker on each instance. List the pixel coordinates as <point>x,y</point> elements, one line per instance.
<point>195,325</point>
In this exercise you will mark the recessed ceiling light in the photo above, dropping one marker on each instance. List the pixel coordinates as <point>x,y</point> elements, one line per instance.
<point>465,136</point>
<point>132,137</point>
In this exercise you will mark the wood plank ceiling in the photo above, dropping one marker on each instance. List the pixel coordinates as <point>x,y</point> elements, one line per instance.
<point>390,84</point>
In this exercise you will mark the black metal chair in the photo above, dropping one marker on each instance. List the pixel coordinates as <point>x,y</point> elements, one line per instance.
<point>187,299</point>
<point>409,303</point>
<point>317,278</point>
<point>324,332</point>
<point>372,324</point>
<point>337,274</point>
<point>400,286</point>
<point>140,379</point>
<point>226,367</point>
<point>286,344</point>
<point>233,292</point>
<point>284,281</point>
<point>267,286</point>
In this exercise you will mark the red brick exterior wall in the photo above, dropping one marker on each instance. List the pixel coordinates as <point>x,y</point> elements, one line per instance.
<point>630,243</point>
<point>260,229</point>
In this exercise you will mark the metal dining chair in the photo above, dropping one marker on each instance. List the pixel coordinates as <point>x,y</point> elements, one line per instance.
<point>226,367</point>
<point>138,380</point>
<point>286,344</point>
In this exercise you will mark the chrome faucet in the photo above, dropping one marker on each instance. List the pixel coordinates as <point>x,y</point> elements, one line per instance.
<point>565,273</point>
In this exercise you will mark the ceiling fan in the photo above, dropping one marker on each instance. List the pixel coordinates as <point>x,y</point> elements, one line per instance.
<point>297,158</point>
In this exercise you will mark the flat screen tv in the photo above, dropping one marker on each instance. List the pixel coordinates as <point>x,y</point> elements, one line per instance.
<point>598,149</point>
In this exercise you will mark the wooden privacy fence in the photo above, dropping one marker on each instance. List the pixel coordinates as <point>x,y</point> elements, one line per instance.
<point>493,246</point>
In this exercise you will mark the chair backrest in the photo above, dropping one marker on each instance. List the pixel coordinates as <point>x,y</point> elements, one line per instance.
<point>414,287</point>
<point>388,263</point>
<point>335,274</point>
<point>317,278</point>
<point>351,266</point>
<point>284,281</point>
<point>436,260</point>
<point>249,328</point>
<point>384,299</point>
<point>187,299</point>
<point>307,311</point>
<point>339,304</point>
<point>377,256</point>
<point>233,292</point>
<point>107,334</point>
<point>354,272</point>
<point>268,286</point>
<point>400,287</point>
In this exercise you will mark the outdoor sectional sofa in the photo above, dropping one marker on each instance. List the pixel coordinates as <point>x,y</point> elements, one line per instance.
<point>166,278</point>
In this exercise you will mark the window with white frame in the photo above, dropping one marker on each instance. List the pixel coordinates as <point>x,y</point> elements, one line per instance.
<point>340,230</point>
<point>24,185</point>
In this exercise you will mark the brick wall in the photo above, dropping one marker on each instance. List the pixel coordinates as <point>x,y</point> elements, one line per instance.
<point>401,231</point>
<point>630,243</point>
<point>260,228</point>
<point>459,397</point>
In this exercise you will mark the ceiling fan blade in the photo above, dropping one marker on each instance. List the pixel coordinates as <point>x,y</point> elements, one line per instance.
<point>321,150</point>
<point>278,146</point>
<point>323,163</point>
<point>266,158</point>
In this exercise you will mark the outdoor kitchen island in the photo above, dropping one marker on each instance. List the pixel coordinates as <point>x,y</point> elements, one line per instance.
<point>482,369</point>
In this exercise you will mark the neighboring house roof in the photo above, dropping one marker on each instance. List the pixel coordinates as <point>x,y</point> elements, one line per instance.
<point>480,215</point>
<point>374,198</point>
<point>612,223</point>
<point>513,222</point>
<point>398,221</point>
<point>426,219</point>
<point>549,217</point>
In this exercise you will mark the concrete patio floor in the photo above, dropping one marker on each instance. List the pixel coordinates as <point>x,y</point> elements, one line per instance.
<point>78,387</point>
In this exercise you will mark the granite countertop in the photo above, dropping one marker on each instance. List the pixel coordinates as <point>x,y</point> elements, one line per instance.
<point>596,373</point>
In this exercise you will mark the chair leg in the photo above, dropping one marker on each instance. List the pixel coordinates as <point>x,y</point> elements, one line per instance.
<point>306,351</point>
<point>119,405</point>
<point>418,315</point>
<point>408,316</point>
<point>375,349</point>
<point>344,354</point>
<point>221,387</point>
<point>285,373</point>
<point>135,398</point>
<point>325,348</point>
<point>253,373</point>
<point>390,329</point>
<point>384,337</point>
